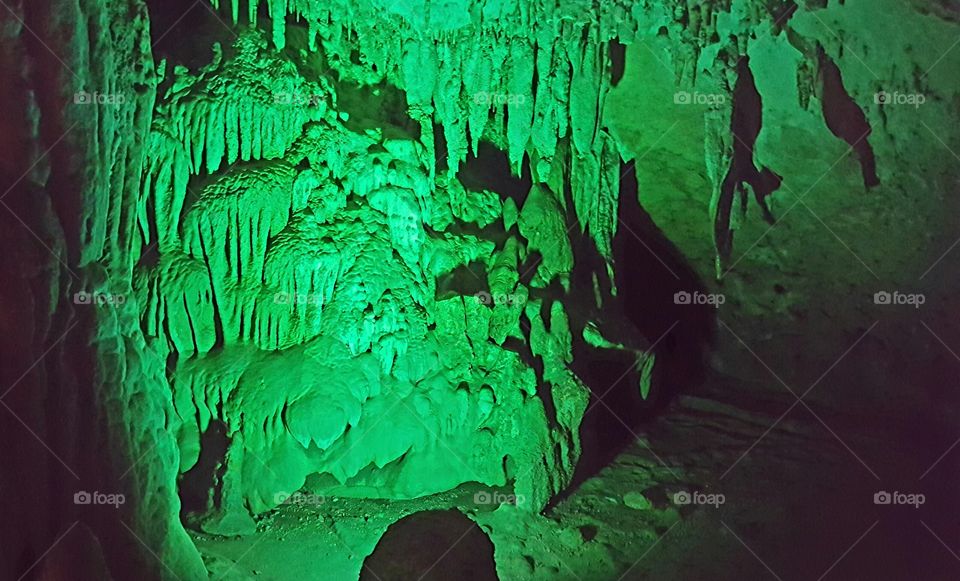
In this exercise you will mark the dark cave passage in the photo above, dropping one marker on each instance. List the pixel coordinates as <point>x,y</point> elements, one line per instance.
<point>182,31</point>
<point>433,546</point>
<point>650,272</point>
<point>200,487</point>
<point>490,170</point>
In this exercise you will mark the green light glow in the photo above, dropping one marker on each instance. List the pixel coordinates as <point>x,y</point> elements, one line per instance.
<point>438,256</point>
<point>313,279</point>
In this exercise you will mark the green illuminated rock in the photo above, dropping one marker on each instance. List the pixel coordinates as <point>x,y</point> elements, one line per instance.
<point>298,286</point>
<point>314,295</point>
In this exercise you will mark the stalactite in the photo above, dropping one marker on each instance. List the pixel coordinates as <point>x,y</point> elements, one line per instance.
<point>541,222</point>
<point>498,71</point>
<point>307,236</point>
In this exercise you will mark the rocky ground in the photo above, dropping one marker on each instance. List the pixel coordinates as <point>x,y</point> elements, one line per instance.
<point>788,499</point>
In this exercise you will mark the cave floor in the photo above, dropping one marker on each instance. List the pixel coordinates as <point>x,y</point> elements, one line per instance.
<point>798,503</point>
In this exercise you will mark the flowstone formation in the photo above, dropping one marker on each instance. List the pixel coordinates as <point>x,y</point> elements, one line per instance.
<point>312,277</point>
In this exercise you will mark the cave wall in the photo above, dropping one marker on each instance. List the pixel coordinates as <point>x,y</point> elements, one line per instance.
<point>836,242</point>
<point>237,216</point>
<point>88,407</point>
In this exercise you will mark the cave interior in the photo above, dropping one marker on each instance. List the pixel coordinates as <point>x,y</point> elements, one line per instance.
<point>479,289</point>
